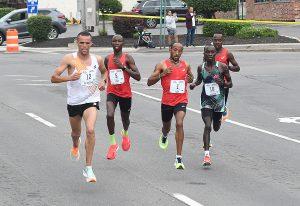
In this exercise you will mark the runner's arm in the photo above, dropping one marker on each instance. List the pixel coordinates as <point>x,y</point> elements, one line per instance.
<point>235,66</point>
<point>132,69</point>
<point>228,82</point>
<point>199,78</point>
<point>156,75</point>
<point>103,72</point>
<point>190,74</point>
<point>64,65</point>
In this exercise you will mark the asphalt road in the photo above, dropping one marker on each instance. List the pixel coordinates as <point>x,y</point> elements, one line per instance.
<point>255,157</point>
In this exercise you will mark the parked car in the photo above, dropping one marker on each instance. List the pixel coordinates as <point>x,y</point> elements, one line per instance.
<point>152,8</point>
<point>17,20</point>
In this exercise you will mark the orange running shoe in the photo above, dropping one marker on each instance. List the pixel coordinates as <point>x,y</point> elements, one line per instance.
<point>74,153</point>
<point>206,160</point>
<point>125,142</point>
<point>112,151</point>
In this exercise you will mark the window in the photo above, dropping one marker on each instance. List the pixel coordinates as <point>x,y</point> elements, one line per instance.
<point>151,4</point>
<point>19,16</point>
<point>281,0</point>
<point>259,1</point>
<point>44,12</point>
<point>176,4</point>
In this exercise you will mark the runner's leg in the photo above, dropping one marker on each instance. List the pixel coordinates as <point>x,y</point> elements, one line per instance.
<point>207,119</point>
<point>179,135</point>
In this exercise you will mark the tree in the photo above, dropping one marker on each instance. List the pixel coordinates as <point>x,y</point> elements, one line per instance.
<point>208,7</point>
<point>108,7</point>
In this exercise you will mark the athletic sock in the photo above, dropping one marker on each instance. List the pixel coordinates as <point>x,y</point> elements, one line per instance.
<point>112,139</point>
<point>206,152</point>
<point>178,158</point>
<point>125,133</point>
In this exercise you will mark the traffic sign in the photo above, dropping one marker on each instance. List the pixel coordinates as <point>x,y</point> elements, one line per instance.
<point>32,2</point>
<point>32,9</point>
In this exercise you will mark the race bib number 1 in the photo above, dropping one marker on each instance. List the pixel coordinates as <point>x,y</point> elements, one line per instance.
<point>87,77</point>
<point>116,76</point>
<point>177,86</point>
<point>212,89</point>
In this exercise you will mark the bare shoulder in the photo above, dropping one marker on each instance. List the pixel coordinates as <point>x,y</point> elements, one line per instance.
<point>68,59</point>
<point>99,58</point>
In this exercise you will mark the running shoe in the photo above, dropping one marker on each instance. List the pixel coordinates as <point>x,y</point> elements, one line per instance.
<point>206,160</point>
<point>89,175</point>
<point>225,115</point>
<point>163,142</point>
<point>74,153</point>
<point>179,164</point>
<point>125,142</point>
<point>112,151</point>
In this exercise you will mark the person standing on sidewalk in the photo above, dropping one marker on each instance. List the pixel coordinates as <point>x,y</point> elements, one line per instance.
<point>190,26</point>
<point>171,20</point>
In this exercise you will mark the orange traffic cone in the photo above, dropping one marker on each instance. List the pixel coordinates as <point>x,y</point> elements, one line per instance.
<point>12,41</point>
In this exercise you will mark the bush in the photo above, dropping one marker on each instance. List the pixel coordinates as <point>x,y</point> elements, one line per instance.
<point>125,25</point>
<point>39,27</point>
<point>252,32</point>
<point>226,28</point>
<point>4,11</point>
<point>110,6</point>
<point>102,32</point>
<point>208,8</point>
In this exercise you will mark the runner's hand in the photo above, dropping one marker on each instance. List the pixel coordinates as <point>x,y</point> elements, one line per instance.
<point>101,86</point>
<point>192,86</point>
<point>75,76</point>
<point>118,63</point>
<point>166,71</point>
<point>218,80</point>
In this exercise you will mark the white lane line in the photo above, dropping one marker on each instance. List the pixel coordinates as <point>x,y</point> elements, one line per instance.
<point>19,75</point>
<point>46,85</point>
<point>186,200</point>
<point>229,121</point>
<point>49,124</point>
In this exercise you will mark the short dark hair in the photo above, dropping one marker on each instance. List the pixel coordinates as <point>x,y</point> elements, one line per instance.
<point>208,46</point>
<point>84,33</point>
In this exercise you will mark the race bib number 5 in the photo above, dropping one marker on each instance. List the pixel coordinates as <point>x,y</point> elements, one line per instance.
<point>87,77</point>
<point>212,89</point>
<point>177,86</point>
<point>116,76</point>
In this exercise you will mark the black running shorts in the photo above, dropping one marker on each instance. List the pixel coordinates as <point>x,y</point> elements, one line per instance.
<point>168,111</point>
<point>75,110</point>
<point>125,103</point>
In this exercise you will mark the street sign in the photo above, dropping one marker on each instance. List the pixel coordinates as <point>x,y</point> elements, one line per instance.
<point>32,6</point>
<point>32,9</point>
<point>32,2</point>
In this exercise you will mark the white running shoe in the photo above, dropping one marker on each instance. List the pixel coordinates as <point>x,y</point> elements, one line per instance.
<point>89,175</point>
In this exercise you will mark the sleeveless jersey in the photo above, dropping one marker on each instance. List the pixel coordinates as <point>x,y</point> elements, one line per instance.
<point>175,84</point>
<point>85,90</point>
<point>212,96</point>
<point>222,56</point>
<point>118,81</point>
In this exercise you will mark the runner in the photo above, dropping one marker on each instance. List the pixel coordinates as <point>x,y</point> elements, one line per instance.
<point>121,67</point>
<point>83,85</point>
<point>223,55</point>
<point>212,73</point>
<point>174,75</point>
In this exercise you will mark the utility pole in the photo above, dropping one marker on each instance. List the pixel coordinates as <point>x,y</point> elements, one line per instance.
<point>89,14</point>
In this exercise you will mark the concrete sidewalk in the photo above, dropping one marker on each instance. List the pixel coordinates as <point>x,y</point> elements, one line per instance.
<point>287,47</point>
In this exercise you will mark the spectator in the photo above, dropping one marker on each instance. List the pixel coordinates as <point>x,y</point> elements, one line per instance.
<point>190,26</point>
<point>171,20</point>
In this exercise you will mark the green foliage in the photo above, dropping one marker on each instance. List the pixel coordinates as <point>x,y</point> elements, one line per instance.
<point>207,8</point>
<point>4,11</point>
<point>126,25</point>
<point>110,6</point>
<point>225,28</point>
<point>252,32</point>
<point>39,27</point>
<point>102,32</point>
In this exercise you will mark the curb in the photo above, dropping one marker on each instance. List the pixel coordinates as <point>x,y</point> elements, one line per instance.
<point>283,47</point>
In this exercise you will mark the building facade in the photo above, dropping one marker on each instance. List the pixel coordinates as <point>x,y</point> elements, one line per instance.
<point>283,10</point>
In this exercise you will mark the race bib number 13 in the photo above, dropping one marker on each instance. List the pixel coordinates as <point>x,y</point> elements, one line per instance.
<point>87,77</point>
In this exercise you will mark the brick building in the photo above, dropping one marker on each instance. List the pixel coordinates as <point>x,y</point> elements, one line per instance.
<point>286,10</point>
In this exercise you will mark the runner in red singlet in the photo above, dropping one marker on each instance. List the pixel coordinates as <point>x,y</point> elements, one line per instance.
<point>174,75</point>
<point>120,67</point>
<point>223,55</point>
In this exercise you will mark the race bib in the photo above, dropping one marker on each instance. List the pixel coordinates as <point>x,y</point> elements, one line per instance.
<point>116,76</point>
<point>212,89</point>
<point>87,77</point>
<point>177,86</point>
